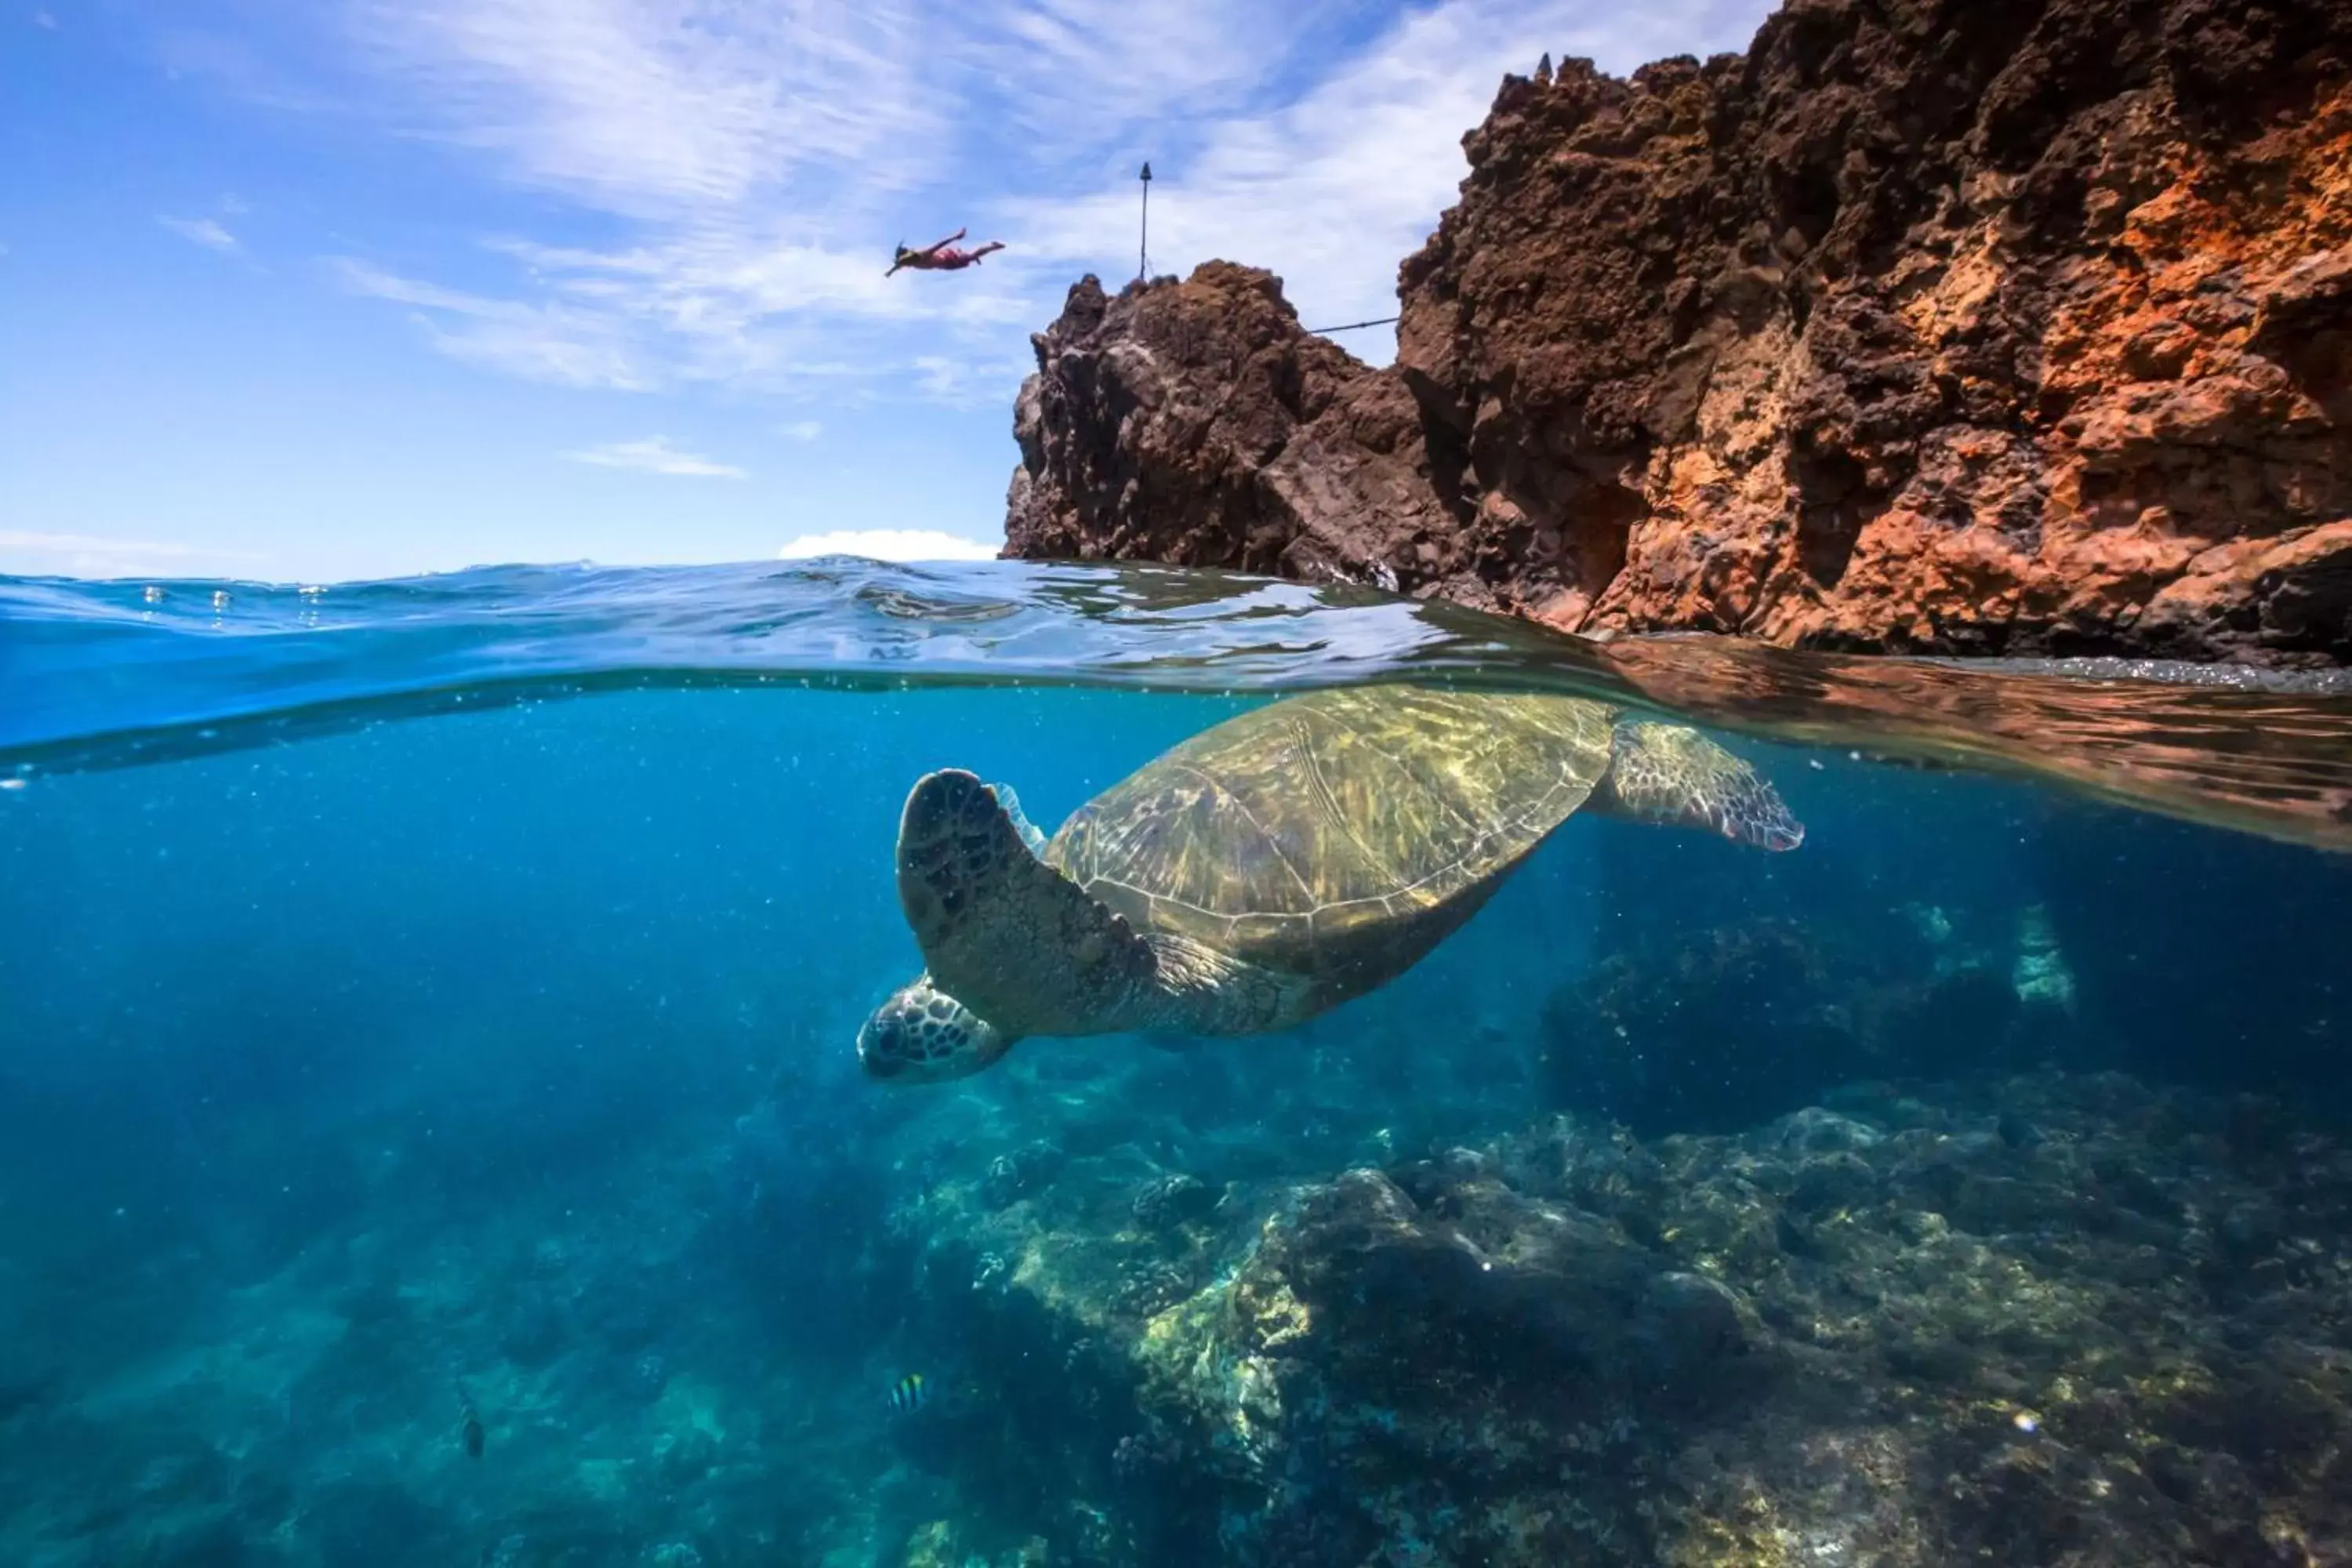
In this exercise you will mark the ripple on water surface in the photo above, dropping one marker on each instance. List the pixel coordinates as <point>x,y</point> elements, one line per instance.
<point>116,673</point>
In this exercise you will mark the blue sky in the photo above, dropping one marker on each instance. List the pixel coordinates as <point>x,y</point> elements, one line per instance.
<point>319,289</point>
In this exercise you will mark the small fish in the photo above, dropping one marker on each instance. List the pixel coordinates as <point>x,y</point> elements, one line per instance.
<point>910,1394</point>
<point>469,1425</point>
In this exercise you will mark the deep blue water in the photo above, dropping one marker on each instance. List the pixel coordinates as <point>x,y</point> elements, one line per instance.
<point>410,988</point>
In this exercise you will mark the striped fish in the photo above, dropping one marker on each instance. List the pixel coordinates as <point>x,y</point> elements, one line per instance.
<point>910,1394</point>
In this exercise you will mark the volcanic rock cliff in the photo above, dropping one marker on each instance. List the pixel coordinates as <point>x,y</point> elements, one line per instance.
<point>1966,325</point>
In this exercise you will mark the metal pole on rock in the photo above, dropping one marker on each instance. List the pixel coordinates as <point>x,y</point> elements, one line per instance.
<point>1143,245</point>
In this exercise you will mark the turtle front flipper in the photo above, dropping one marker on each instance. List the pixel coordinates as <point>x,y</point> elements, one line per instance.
<point>1003,932</point>
<point>1672,774</point>
<point>1021,824</point>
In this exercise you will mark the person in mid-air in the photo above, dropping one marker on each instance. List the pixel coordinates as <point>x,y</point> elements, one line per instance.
<point>942,255</point>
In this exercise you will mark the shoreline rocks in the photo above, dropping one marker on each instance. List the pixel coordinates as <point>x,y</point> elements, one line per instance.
<point>2022,329</point>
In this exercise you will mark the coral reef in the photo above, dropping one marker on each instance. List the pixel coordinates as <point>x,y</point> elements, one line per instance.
<point>1774,1289</point>
<point>2056,1318</point>
<point>1214,1307</point>
<point>2012,328</point>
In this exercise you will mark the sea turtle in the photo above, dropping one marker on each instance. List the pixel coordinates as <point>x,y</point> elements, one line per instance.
<point>1266,870</point>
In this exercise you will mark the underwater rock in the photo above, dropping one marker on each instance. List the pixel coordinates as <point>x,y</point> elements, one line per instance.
<point>1881,1331</point>
<point>1012,1176</point>
<point>1937,326</point>
<point>1818,1130</point>
<point>1175,1200</point>
<point>1831,1182</point>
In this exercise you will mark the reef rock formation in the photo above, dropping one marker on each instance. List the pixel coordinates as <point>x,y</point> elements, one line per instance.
<point>1924,325</point>
<point>2047,1320</point>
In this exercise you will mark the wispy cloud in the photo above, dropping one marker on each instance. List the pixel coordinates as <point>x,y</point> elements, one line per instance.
<point>42,19</point>
<point>890,545</point>
<point>30,552</point>
<point>804,429</point>
<point>763,156</point>
<point>548,342</point>
<point>969,380</point>
<point>757,159</point>
<point>1334,188</point>
<point>664,109</point>
<point>654,454</point>
<point>200,231</point>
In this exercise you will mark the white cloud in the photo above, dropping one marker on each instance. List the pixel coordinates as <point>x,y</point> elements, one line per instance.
<point>1064,67</point>
<point>1334,189</point>
<point>890,545</point>
<point>969,381</point>
<point>696,309</point>
<point>805,429</point>
<point>666,109</point>
<point>42,19</point>
<point>554,343</point>
<point>754,159</point>
<point>761,156</point>
<point>30,553</point>
<point>654,454</point>
<point>200,231</point>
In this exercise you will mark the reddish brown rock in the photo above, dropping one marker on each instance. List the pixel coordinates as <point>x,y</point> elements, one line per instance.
<point>1196,424</point>
<point>1930,325</point>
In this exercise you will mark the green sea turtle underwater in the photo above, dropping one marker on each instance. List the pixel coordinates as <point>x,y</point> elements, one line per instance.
<point>1266,870</point>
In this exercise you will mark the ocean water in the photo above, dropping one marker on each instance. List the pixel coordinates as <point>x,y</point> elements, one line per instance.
<point>432,1130</point>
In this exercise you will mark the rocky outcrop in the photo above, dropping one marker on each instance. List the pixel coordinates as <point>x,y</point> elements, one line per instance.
<point>2047,1320</point>
<point>1924,325</point>
<point>1195,423</point>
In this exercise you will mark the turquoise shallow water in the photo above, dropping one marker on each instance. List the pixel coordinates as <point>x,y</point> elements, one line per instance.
<point>441,995</point>
<point>108,674</point>
<point>91,660</point>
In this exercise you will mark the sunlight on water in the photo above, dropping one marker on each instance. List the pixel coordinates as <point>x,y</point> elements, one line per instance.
<point>431,1128</point>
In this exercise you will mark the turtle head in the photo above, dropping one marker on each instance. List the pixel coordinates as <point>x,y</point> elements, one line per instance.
<point>1750,811</point>
<point>1672,774</point>
<point>922,1035</point>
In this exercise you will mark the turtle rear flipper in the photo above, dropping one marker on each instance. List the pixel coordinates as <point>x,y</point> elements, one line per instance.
<point>1007,935</point>
<point>1672,774</point>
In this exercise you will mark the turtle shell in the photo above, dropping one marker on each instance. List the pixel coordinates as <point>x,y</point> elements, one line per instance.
<point>1342,834</point>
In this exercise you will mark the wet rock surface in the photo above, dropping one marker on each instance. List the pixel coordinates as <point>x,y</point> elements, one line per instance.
<point>2053,1318</point>
<point>1982,329</point>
